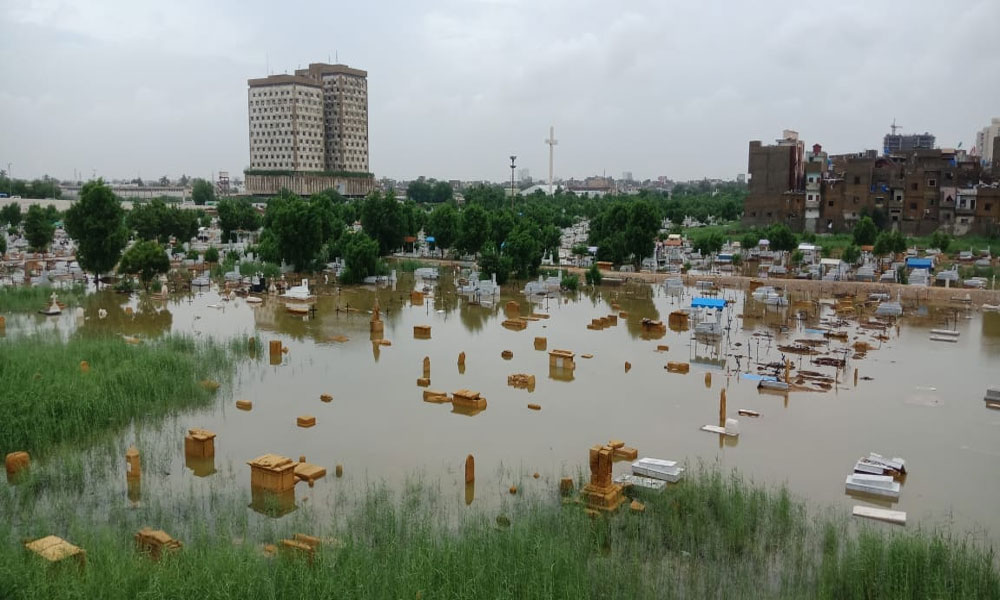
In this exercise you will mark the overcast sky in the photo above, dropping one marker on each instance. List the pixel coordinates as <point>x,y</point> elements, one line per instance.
<point>133,88</point>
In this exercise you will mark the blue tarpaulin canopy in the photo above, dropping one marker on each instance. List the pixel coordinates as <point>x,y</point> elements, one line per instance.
<point>430,239</point>
<point>708,303</point>
<point>919,263</point>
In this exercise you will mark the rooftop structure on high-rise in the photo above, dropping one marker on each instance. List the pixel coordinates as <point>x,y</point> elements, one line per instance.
<point>895,143</point>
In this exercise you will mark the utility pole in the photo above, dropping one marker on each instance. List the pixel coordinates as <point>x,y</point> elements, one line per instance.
<point>10,182</point>
<point>512,158</point>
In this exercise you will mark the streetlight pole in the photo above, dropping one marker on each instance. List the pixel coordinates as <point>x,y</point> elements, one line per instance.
<point>512,158</point>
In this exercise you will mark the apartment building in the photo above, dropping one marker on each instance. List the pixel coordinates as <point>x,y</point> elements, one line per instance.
<point>309,131</point>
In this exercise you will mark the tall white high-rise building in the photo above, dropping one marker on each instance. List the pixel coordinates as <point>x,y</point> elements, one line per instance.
<point>314,120</point>
<point>984,140</point>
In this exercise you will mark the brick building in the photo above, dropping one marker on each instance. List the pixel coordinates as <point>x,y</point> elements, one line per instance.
<point>917,192</point>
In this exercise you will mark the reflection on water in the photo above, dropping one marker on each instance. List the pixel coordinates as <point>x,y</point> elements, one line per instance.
<point>379,427</point>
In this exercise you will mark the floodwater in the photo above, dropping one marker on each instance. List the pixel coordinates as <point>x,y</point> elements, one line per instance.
<point>923,401</point>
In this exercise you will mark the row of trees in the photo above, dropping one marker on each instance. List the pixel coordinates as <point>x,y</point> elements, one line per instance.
<point>46,187</point>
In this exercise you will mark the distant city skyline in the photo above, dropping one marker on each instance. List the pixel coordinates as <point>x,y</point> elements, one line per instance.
<point>129,90</point>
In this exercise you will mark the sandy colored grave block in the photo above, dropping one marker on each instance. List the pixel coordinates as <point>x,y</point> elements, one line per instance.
<point>326,397</point>
<point>468,399</point>
<point>423,381</point>
<point>626,453</point>
<point>309,472</point>
<point>470,469</point>
<point>16,462</point>
<point>566,485</point>
<point>199,443</point>
<point>435,396</point>
<point>541,343</point>
<point>512,309</point>
<point>84,366</point>
<point>272,472</point>
<point>562,359</point>
<point>305,421</point>
<point>637,507</point>
<point>521,381</point>
<point>535,406</point>
<point>678,367</point>
<point>133,464</point>
<point>244,405</point>
<point>416,298</point>
<point>155,542</point>
<point>628,366</point>
<point>422,332</point>
<point>515,324</point>
<point>55,550</point>
<point>506,355</point>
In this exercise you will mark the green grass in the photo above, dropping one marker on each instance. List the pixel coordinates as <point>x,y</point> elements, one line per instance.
<point>33,299</point>
<point>47,400</point>
<point>712,536</point>
<point>409,265</point>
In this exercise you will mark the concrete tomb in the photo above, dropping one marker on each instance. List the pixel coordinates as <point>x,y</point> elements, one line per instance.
<point>522,381</point>
<point>15,463</point>
<point>602,493</point>
<point>422,332</point>
<point>55,550</point>
<point>199,443</point>
<point>155,542</point>
<point>272,472</point>
<point>468,399</point>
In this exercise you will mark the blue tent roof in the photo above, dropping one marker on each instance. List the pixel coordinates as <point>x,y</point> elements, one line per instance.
<point>430,239</point>
<point>919,263</point>
<point>708,303</point>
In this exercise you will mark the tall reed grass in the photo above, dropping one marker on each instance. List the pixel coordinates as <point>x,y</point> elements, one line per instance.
<point>32,299</point>
<point>712,536</point>
<point>48,399</point>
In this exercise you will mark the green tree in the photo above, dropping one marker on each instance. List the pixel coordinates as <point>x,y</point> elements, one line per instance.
<point>501,224</point>
<point>38,229</point>
<point>383,220</point>
<point>890,242</point>
<point>97,223</point>
<point>443,225</point>
<point>147,259</point>
<point>708,243</point>
<point>419,191</point>
<point>212,255</point>
<point>797,257</point>
<point>570,282</point>
<point>237,214</point>
<point>781,237</point>
<point>525,249</point>
<point>865,232</point>
<point>11,214</point>
<point>492,263</point>
<point>750,239</point>
<point>3,245</point>
<point>441,192</point>
<point>851,254</point>
<point>593,275</point>
<point>473,229</point>
<point>297,230</point>
<point>360,257</point>
<point>148,219</point>
<point>551,241</point>
<point>202,192</point>
<point>580,250</point>
<point>940,240</point>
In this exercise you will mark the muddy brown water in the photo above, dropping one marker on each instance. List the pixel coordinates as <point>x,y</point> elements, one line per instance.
<point>924,401</point>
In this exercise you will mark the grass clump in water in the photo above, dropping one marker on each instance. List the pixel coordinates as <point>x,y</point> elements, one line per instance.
<point>49,399</point>
<point>712,536</point>
<point>20,299</point>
